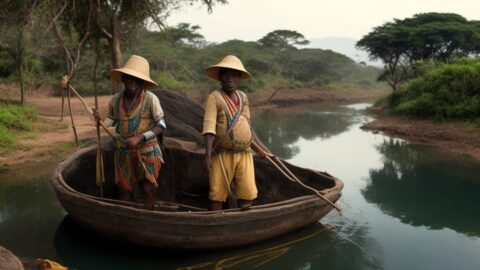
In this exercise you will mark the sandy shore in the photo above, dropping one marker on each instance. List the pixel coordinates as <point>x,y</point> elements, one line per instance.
<point>453,137</point>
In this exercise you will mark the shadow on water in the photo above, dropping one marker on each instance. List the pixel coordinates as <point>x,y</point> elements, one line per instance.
<point>426,188</point>
<point>278,132</point>
<point>313,247</point>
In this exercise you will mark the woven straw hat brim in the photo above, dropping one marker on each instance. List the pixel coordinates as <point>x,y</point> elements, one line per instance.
<point>231,62</point>
<point>116,75</point>
<point>212,72</point>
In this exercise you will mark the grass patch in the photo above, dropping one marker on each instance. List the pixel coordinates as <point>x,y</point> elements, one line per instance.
<point>473,125</point>
<point>69,147</point>
<point>15,121</point>
<point>4,168</point>
<point>66,147</point>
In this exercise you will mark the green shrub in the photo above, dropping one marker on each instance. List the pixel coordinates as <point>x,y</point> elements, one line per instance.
<point>442,91</point>
<point>257,83</point>
<point>7,139</point>
<point>14,120</point>
<point>86,87</point>
<point>168,81</point>
<point>17,117</point>
<point>6,68</point>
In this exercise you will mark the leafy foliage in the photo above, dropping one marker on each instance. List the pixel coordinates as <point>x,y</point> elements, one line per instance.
<point>177,55</point>
<point>291,68</point>
<point>283,39</point>
<point>14,119</point>
<point>426,36</point>
<point>442,91</point>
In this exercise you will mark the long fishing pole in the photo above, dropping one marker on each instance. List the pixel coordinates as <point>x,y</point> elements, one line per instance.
<point>277,163</point>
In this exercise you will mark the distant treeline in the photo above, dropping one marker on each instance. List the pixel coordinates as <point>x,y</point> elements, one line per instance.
<point>181,66</point>
<point>179,55</point>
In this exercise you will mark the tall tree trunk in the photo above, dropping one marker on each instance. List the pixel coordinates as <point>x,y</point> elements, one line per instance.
<point>115,52</point>
<point>22,90</point>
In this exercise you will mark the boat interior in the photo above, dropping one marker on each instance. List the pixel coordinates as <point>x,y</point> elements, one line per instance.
<point>183,182</point>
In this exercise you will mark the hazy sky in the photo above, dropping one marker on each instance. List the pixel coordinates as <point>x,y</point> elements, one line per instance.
<point>250,20</point>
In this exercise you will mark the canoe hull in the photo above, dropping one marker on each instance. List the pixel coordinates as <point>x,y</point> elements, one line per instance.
<point>189,230</point>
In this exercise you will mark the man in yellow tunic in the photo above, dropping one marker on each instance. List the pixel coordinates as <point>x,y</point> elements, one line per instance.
<point>228,136</point>
<point>138,119</point>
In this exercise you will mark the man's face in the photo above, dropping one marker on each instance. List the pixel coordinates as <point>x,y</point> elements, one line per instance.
<point>132,84</point>
<point>230,79</point>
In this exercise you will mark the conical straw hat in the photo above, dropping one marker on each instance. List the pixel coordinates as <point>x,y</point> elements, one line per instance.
<point>229,61</point>
<point>138,67</point>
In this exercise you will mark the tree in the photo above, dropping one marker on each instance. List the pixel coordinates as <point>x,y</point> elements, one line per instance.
<point>283,39</point>
<point>15,23</point>
<point>426,36</point>
<point>184,34</point>
<point>115,19</point>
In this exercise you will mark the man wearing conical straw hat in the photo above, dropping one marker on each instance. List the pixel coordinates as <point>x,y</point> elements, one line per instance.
<point>228,136</point>
<point>138,119</point>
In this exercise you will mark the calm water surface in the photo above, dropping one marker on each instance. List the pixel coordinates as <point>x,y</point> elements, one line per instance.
<point>405,207</point>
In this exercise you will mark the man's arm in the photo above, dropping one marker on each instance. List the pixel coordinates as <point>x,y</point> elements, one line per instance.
<point>147,135</point>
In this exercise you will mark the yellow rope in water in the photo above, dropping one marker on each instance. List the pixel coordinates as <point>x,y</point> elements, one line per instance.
<point>263,256</point>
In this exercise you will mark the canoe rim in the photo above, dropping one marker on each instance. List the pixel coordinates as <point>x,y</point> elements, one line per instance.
<point>62,187</point>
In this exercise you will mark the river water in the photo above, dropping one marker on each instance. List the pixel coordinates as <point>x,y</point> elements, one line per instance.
<point>405,207</point>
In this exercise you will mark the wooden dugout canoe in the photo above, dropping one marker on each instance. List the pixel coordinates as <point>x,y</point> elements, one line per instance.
<point>180,220</point>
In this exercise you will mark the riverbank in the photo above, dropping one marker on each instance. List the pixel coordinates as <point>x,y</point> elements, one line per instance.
<point>454,137</point>
<point>55,138</point>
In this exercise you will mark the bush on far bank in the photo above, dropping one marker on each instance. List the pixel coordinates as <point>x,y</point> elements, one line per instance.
<point>441,91</point>
<point>14,120</point>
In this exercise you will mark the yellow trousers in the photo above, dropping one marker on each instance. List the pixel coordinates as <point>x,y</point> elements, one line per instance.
<point>238,168</point>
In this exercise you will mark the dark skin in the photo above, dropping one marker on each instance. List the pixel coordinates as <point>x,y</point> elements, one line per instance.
<point>229,79</point>
<point>133,87</point>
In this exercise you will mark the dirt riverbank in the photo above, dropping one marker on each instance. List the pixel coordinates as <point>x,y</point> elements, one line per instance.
<point>55,139</point>
<point>453,137</point>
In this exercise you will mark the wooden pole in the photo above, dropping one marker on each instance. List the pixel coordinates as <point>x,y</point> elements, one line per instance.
<point>277,163</point>
<point>89,110</point>
<point>339,210</point>
<point>232,202</point>
<point>63,104</point>
<point>100,174</point>
<point>71,118</point>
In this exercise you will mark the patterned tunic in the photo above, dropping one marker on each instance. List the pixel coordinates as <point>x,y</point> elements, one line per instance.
<point>229,122</point>
<point>144,161</point>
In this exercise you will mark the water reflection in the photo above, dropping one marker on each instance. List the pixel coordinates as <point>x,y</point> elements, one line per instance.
<point>28,212</point>
<point>278,131</point>
<point>313,247</point>
<point>396,200</point>
<point>422,187</point>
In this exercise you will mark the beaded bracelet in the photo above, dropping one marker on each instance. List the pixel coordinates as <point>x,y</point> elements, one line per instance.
<point>148,135</point>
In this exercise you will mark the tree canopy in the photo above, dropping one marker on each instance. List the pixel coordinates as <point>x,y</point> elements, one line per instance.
<point>113,20</point>
<point>283,39</point>
<point>426,36</point>
<point>92,31</point>
<point>101,26</point>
